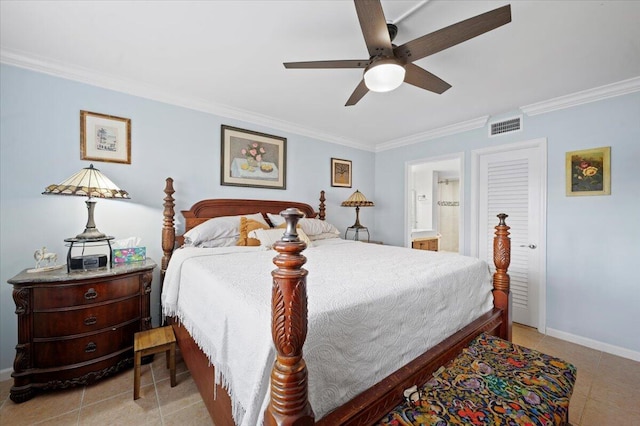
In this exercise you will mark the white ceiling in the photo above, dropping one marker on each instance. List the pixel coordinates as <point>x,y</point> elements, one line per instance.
<point>226,57</point>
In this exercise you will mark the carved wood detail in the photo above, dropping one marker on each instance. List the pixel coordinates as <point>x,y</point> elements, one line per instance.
<point>289,403</point>
<point>146,281</point>
<point>168,229</point>
<point>22,361</point>
<point>322,209</point>
<point>21,299</point>
<point>501,280</point>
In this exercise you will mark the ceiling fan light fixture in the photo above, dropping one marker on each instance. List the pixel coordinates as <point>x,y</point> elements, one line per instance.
<point>384,75</point>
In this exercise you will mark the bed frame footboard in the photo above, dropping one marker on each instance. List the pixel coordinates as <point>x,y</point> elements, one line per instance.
<point>289,403</point>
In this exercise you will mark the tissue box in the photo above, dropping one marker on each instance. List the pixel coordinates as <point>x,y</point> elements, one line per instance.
<point>128,255</point>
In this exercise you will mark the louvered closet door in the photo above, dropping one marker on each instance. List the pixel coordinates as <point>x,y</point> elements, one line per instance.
<point>510,182</point>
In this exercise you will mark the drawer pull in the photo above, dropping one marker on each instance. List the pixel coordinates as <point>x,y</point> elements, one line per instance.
<point>91,294</point>
<point>90,320</point>
<point>91,347</point>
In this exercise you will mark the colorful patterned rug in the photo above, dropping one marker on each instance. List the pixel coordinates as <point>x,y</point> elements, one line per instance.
<point>492,382</point>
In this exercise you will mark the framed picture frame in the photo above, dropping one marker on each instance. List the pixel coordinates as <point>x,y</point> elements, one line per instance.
<point>252,159</point>
<point>105,138</point>
<point>341,173</point>
<point>588,172</point>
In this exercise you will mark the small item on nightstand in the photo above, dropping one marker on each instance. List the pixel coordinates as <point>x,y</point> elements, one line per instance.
<point>128,250</point>
<point>87,262</point>
<point>50,261</point>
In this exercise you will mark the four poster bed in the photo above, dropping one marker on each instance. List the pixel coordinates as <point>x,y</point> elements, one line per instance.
<point>314,392</point>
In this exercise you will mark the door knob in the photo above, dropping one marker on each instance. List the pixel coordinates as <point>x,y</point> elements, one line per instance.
<point>531,246</point>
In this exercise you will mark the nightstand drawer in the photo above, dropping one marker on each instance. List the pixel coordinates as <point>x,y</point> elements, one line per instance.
<point>84,320</point>
<point>59,296</point>
<point>72,351</point>
<point>426,244</point>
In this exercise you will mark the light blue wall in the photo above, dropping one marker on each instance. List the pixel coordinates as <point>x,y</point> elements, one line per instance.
<point>593,242</point>
<point>593,248</point>
<point>40,145</point>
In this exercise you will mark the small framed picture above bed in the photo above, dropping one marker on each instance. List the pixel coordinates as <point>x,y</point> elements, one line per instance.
<point>105,138</point>
<point>341,173</point>
<point>252,159</point>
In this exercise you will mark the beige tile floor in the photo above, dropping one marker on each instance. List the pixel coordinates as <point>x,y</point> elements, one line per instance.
<point>607,393</point>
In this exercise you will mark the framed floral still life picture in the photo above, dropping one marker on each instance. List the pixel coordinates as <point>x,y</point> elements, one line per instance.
<point>340,173</point>
<point>589,172</point>
<point>252,159</point>
<point>105,138</point>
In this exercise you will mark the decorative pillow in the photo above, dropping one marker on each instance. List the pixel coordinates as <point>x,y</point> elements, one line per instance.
<point>268,237</point>
<point>246,226</point>
<point>275,219</point>
<point>317,226</point>
<point>323,236</point>
<point>218,227</point>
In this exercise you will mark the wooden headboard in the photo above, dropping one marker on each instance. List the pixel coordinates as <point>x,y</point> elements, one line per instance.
<point>206,209</point>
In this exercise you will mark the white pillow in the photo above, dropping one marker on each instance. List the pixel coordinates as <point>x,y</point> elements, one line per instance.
<point>316,226</point>
<point>219,242</point>
<point>268,237</point>
<point>218,227</point>
<point>323,236</point>
<point>275,219</point>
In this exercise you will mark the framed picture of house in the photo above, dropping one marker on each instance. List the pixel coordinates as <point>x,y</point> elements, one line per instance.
<point>105,138</point>
<point>588,172</point>
<point>252,159</point>
<point>340,173</point>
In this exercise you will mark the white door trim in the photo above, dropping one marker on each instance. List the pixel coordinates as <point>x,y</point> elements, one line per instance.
<point>541,144</point>
<point>407,168</point>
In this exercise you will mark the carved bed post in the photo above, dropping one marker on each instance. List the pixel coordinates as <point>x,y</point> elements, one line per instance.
<point>168,230</point>
<point>289,403</point>
<point>321,214</point>
<point>501,283</point>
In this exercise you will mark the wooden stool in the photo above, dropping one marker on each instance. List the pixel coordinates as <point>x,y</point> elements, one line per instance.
<point>150,342</point>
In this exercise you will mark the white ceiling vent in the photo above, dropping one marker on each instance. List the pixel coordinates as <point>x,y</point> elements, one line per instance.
<point>502,127</point>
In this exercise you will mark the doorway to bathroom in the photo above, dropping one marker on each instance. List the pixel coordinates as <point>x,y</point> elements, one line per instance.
<point>434,214</point>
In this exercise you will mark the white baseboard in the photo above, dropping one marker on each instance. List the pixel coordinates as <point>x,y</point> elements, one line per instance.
<point>594,344</point>
<point>5,374</point>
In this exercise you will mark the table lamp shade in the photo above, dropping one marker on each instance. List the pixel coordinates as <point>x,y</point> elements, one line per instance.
<point>357,200</point>
<point>88,182</point>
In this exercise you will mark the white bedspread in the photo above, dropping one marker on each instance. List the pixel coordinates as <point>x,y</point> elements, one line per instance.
<point>372,309</point>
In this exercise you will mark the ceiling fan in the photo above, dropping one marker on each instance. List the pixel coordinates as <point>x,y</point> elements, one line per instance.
<point>389,65</point>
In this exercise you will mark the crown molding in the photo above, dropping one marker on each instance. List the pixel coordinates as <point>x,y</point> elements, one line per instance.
<point>135,88</point>
<point>464,126</point>
<point>591,95</point>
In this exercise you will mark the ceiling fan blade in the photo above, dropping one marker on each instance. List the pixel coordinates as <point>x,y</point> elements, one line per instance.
<point>423,79</point>
<point>453,34</point>
<point>357,94</point>
<point>355,63</point>
<point>374,27</point>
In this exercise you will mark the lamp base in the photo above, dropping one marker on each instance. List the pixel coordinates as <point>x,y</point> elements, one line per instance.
<point>357,226</point>
<point>90,231</point>
<point>90,234</point>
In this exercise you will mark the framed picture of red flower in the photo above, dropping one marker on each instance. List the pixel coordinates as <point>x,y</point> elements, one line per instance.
<point>589,172</point>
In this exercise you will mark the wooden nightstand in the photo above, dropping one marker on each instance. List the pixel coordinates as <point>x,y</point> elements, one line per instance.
<point>76,328</point>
